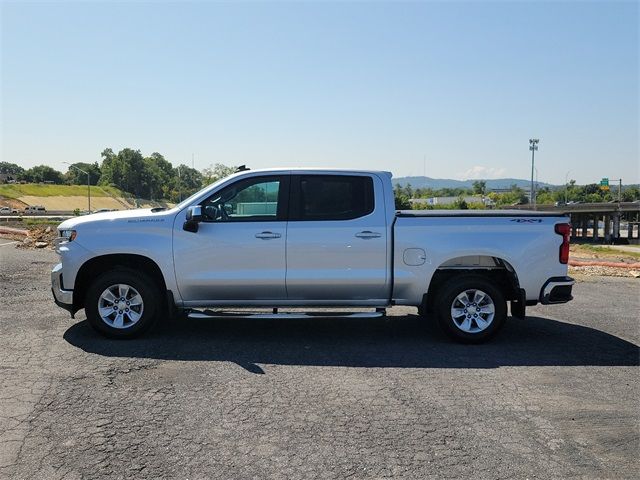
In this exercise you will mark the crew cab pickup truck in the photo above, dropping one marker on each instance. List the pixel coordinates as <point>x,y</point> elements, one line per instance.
<point>30,210</point>
<point>282,238</point>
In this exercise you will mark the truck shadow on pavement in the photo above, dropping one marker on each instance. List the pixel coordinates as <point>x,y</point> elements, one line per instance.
<point>398,342</point>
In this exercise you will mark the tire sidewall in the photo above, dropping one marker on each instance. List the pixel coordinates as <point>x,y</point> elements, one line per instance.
<point>138,280</point>
<point>452,289</point>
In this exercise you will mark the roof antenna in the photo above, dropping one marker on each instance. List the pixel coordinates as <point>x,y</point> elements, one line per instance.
<point>242,168</point>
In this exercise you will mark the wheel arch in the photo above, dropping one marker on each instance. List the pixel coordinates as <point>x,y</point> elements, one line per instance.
<point>497,269</point>
<point>103,263</point>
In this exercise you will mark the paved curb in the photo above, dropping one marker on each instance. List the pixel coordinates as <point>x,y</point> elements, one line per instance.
<point>14,231</point>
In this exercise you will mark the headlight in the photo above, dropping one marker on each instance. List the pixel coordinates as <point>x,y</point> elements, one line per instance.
<point>69,235</point>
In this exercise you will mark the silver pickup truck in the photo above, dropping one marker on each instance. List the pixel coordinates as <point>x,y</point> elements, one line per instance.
<point>282,238</point>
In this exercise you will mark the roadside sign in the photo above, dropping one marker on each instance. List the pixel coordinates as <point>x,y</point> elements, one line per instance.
<point>604,184</point>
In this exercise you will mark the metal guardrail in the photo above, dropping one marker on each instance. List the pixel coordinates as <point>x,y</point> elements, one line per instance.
<point>582,207</point>
<point>46,214</point>
<point>46,217</point>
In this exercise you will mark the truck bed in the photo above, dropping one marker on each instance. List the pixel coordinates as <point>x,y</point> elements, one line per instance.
<point>476,213</point>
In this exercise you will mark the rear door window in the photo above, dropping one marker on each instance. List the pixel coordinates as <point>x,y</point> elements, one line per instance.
<point>331,197</point>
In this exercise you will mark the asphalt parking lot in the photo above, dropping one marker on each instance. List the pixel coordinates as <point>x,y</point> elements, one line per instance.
<point>553,396</point>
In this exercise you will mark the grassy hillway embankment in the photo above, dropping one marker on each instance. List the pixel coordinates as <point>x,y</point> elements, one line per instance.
<point>67,197</point>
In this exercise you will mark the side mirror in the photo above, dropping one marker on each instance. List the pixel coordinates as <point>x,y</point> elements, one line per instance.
<point>194,216</point>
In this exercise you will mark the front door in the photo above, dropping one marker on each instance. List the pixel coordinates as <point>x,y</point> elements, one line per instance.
<point>238,252</point>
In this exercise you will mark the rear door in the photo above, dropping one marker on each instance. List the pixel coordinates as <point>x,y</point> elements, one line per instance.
<point>336,239</point>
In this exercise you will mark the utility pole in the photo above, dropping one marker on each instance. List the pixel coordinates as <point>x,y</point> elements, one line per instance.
<point>533,146</point>
<point>619,180</point>
<point>88,184</point>
<point>566,185</point>
<point>619,190</point>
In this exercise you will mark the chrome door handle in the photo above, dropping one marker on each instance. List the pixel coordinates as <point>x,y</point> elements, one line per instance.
<point>267,235</point>
<point>368,234</point>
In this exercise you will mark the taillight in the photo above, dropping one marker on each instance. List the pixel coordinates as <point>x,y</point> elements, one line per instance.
<point>564,229</point>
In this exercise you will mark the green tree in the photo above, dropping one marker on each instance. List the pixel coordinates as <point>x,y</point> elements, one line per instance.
<point>11,169</point>
<point>185,182</point>
<point>423,193</point>
<point>591,189</point>
<point>592,198</point>
<point>126,170</point>
<point>216,172</point>
<point>401,198</point>
<point>157,177</point>
<point>630,194</point>
<point>545,195</point>
<point>154,177</point>
<point>461,204</point>
<point>479,187</point>
<point>111,167</point>
<point>75,177</point>
<point>514,197</point>
<point>453,192</point>
<point>42,173</point>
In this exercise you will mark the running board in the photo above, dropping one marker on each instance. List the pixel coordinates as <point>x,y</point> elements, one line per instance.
<point>295,315</point>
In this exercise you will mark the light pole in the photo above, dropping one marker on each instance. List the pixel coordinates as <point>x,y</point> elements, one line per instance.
<point>566,186</point>
<point>179,186</point>
<point>533,146</point>
<point>88,183</point>
<point>619,187</point>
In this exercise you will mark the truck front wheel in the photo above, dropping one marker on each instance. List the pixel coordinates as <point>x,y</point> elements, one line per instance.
<point>471,309</point>
<point>122,303</point>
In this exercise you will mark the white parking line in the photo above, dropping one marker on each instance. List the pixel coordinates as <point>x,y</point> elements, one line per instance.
<point>10,243</point>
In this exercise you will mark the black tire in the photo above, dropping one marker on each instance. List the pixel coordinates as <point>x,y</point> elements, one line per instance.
<point>140,282</point>
<point>477,331</point>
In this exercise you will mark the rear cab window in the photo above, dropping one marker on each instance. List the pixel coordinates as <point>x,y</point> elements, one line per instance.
<point>331,197</point>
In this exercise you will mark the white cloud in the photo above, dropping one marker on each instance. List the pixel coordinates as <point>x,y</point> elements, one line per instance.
<point>479,172</point>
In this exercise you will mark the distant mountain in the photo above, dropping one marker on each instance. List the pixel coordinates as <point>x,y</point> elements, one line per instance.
<point>437,183</point>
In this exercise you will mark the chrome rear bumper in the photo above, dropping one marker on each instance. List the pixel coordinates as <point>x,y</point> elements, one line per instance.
<point>557,290</point>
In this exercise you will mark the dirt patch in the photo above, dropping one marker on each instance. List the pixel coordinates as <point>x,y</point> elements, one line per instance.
<point>597,261</point>
<point>12,203</point>
<point>39,237</point>
<point>597,270</point>
<point>72,202</point>
<point>626,254</point>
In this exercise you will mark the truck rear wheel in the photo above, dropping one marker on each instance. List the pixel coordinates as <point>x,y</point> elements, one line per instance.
<point>471,309</point>
<point>122,303</point>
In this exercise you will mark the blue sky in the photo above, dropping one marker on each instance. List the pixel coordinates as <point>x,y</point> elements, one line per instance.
<point>354,85</point>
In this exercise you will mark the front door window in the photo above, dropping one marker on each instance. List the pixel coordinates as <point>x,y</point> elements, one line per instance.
<point>254,200</point>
